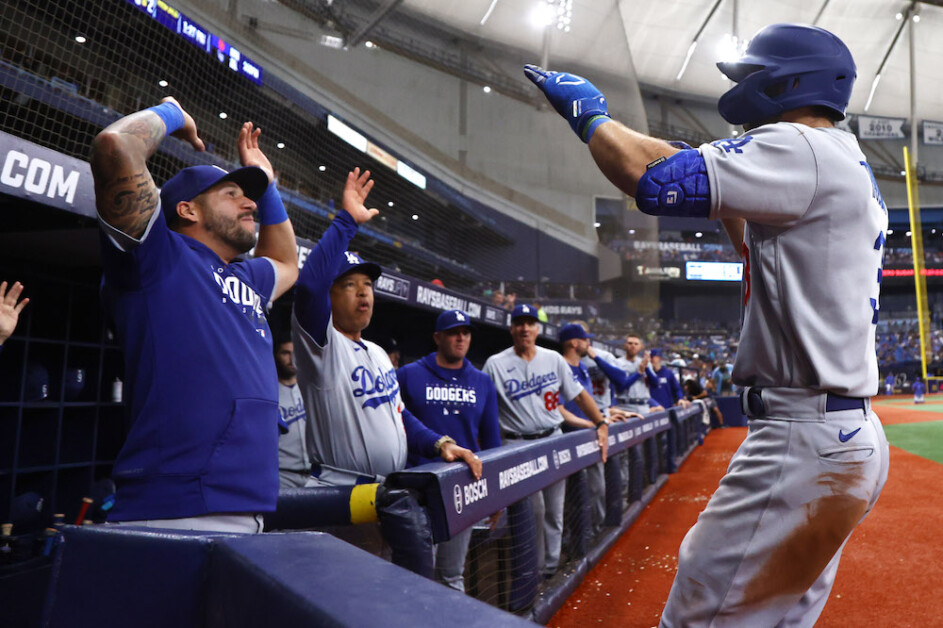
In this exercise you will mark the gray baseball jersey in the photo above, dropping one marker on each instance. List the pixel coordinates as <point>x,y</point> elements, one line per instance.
<point>355,420</point>
<point>294,464</point>
<point>529,392</point>
<point>813,249</point>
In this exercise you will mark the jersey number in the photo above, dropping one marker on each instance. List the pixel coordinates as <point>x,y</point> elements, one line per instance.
<point>551,400</point>
<point>878,243</point>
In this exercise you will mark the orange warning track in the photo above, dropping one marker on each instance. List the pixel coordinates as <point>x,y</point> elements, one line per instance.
<point>888,576</point>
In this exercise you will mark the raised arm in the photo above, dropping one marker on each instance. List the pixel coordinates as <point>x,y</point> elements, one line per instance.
<point>620,379</point>
<point>622,154</point>
<point>276,234</point>
<point>312,296</point>
<point>125,193</point>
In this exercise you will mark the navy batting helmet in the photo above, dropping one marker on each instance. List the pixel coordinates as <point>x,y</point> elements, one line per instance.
<point>787,66</point>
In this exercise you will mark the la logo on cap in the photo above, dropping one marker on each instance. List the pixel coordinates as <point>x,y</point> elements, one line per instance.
<point>526,310</point>
<point>459,316</point>
<point>351,258</point>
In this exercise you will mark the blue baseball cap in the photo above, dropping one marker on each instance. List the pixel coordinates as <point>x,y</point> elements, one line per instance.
<point>574,330</point>
<point>523,311</point>
<point>655,353</point>
<point>450,319</point>
<point>190,182</point>
<point>354,263</point>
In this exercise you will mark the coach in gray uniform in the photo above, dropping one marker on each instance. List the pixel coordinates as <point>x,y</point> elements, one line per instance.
<point>530,381</point>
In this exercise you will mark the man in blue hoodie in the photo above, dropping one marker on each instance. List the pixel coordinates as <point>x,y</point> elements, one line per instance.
<point>450,396</point>
<point>663,385</point>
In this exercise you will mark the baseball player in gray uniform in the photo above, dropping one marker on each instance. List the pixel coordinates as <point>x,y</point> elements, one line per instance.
<point>530,381</point>
<point>294,463</point>
<point>636,397</point>
<point>358,429</point>
<point>799,200</point>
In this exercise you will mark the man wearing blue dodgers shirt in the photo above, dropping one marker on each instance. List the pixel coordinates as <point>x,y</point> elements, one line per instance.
<point>450,396</point>
<point>533,383</point>
<point>358,429</point>
<point>662,383</point>
<point>202,451</point>
<point>792,191</point>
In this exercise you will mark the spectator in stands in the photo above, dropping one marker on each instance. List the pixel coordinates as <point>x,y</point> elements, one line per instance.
<point>662,383</point>
<point>358,430</point>
<point>450,396</point>
<point>202,451</point>
<point>497,298</point>
<point>294,464</point>
<point>531,381</point>
<point>10,309</point>
<point>509,301</point>
<point>541,313</point>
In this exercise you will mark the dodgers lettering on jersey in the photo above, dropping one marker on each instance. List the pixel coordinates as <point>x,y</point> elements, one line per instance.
<point>451,394</point>
<point>376,388</point>
<point>530,392</point>
<point>813,246</point>
<point>518,388</point>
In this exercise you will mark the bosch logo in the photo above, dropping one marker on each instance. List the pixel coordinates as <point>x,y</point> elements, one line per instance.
<point>457,498</point>
<point>556,459</point>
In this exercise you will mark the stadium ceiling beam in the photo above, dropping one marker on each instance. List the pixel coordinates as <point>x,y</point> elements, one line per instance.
<point>906,16</point>
<point>364,29</point>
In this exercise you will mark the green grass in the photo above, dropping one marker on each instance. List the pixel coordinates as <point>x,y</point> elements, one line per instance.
<point>922,439</point>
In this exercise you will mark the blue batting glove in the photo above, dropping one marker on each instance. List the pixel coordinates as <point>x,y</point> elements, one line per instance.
<point>574,98</point>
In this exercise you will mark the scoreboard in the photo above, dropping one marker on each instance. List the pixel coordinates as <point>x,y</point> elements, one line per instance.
<point>200,37</point>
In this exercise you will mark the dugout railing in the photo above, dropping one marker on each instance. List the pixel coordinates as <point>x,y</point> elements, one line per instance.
<point>144,577</point>
<point>502,566</point>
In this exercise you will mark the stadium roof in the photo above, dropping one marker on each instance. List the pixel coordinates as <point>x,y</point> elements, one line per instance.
<point>655,37</point>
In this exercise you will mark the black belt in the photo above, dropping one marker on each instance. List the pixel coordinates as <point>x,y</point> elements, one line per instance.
<point>833,402</point>
<point>534,436</point>
<point>636,401</point>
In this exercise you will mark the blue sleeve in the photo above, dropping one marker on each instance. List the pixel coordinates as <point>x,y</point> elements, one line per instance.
<point>674,386</point>
<point>651,379</point>
<point>141,263</point>
<point>489,431</point>
<point>419,438</point>
<point>313,290</point>
<point>619,378</point>
<point>652,402</point>
<point>260,274</point>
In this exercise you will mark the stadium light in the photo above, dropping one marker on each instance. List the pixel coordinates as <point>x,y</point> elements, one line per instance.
<point>80,39</point>
<point>223,115</point>
<point>542,15</point>
<point>280,145</point>
<point>390,204</point>
<point>698,235</point>
<point>369,44</point>
<point>597,224</point>
<point>163,83</point>
<point>415,216</point>
<point>486,89</point>
<point>322,168</point>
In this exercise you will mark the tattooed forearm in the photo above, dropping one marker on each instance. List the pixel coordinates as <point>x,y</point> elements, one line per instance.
<point>124,190</point>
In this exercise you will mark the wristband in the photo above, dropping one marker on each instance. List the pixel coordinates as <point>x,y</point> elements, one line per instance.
<point>271,210</point>
<point>601,423</point>
<point>591,124</point>
<point>171,114</point>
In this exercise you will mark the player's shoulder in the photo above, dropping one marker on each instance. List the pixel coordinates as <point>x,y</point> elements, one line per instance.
<point>500,355</point>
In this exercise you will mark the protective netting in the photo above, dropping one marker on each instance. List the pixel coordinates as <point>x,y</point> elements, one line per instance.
<point>69,68</point>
